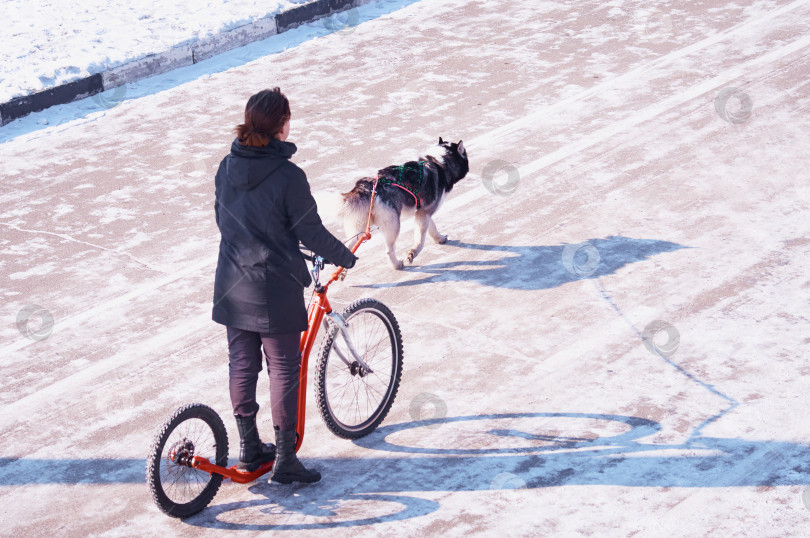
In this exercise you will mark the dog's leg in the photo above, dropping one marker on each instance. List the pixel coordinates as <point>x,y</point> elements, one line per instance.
<point>388,221</point>
<point>421,220</point>
<point>391,247</point>
<point>434,232</point>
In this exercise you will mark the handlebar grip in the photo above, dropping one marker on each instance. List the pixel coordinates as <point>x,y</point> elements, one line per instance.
<point>312,257</point>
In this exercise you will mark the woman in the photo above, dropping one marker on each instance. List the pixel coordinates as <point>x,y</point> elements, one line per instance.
<point>263,209</point>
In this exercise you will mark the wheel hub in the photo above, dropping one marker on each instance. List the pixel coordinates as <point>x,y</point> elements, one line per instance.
<point>182,452</point>
<point>356,369</point>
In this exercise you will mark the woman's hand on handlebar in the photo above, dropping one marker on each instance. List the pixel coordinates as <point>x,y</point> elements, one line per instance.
<point>311,257</point>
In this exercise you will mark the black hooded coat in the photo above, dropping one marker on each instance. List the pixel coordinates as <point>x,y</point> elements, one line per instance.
<point>263,208</point>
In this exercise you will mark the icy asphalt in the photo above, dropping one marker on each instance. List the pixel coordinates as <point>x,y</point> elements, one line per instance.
<point>612,343</point>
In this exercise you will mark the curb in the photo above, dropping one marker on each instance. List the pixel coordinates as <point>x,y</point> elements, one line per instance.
<point>178,56</point>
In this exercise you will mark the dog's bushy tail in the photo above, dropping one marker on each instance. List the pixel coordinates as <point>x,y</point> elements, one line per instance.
<point>330,206</point>
<point>347,211</point>
<point>354,212</point>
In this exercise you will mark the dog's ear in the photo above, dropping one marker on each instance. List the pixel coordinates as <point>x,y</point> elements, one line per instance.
<point>461,150</point>
<point>441,141</point>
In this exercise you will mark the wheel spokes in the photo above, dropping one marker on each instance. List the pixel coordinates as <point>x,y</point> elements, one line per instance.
<point>181,482</point>
<point>355,397</point>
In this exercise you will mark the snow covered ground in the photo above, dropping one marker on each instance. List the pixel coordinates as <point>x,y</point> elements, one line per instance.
<point>47,42</point>
<point>639,176</point>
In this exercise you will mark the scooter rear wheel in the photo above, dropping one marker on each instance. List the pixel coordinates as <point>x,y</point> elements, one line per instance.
<point>178,489</point>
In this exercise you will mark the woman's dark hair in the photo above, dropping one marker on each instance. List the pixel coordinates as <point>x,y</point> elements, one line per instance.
<point>265,116</point>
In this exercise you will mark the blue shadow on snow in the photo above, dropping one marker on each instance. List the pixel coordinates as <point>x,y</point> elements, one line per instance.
<point>534,267</point>
<point>528,458</point>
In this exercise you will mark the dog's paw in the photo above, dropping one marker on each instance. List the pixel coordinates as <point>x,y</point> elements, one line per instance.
<point>399,265</point>
<point>411,256</point>
<point>442,239</point>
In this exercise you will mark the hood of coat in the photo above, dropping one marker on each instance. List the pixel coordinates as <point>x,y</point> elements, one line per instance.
<point>247,166</point>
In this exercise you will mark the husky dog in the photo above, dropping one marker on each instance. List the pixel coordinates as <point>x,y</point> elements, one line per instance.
<point>417,187</point>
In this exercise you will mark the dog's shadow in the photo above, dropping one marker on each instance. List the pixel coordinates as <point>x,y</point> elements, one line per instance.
<point>538,267</point>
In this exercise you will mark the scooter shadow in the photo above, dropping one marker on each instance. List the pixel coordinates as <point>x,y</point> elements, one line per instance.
<point>514,455</point>
<point>538,267</point>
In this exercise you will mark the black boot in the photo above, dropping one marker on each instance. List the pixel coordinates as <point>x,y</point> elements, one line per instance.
<point>252,452</point>
<point>287,467</point>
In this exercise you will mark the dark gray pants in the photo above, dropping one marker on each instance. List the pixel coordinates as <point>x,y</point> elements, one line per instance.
<point>283,355</point>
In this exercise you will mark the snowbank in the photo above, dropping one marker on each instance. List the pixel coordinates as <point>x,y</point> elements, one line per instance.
<point>48,43</point>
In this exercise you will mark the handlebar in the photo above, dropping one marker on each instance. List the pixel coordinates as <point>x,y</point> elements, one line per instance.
<point>318,262</point>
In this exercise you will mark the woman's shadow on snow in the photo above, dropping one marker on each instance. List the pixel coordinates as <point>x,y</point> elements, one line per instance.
<point>506,451</point>
<point>538,267</point>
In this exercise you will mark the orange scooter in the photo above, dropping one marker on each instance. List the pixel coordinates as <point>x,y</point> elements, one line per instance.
<point>357,376</point>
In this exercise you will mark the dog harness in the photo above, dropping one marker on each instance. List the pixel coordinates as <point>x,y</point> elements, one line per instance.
<point>399,182</point>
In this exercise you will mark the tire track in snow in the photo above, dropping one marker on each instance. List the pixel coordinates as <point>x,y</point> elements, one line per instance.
<point>92,245</point>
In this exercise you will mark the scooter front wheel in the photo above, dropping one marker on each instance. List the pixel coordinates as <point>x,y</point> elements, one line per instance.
<point>178,489</point>
<point>352,399</point>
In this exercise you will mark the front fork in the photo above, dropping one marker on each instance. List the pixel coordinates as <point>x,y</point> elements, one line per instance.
<point>318,309</point>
